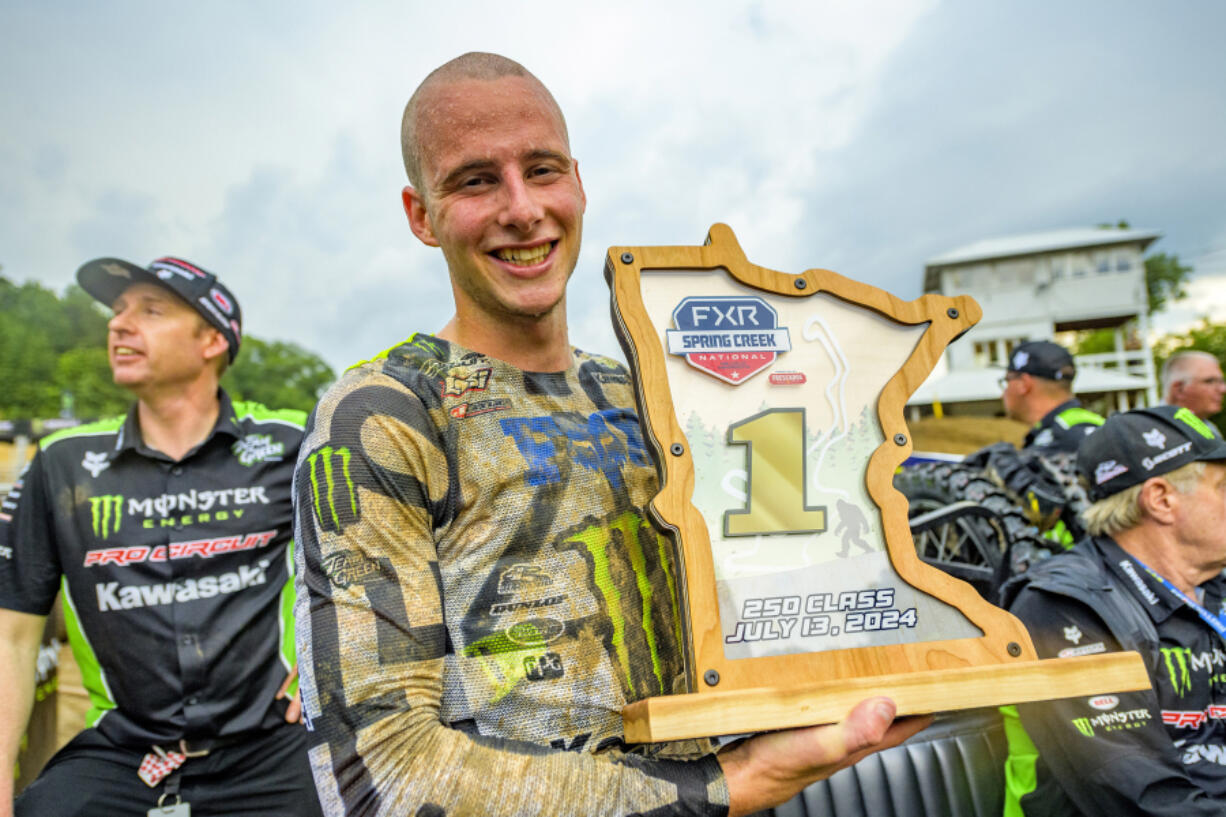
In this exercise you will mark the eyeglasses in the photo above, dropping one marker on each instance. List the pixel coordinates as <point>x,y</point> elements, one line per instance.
<point>1003,382</point>
<point>1210,381</point>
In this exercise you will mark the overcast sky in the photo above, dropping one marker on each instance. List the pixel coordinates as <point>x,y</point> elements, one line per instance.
<point>261,140</point>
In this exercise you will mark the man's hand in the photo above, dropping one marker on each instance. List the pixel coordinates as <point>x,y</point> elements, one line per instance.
<point>293,713</point>
<point>771,768</point>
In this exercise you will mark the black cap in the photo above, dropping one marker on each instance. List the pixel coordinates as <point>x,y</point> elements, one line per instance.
<point>1135,445</point>
<point>1042,358</point>
<point>107,278</point>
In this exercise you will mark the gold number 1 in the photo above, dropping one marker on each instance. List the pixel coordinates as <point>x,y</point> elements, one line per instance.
<point>776,479</point>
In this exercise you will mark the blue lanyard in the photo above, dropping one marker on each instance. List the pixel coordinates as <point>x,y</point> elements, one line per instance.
<point>1218,623</point>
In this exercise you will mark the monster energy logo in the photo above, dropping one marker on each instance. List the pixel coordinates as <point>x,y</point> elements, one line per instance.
<point>1176,660</point>
<point>1084,727</point>
<point>105,513</point>
<point>335,508</point>
<point>1195,422</point>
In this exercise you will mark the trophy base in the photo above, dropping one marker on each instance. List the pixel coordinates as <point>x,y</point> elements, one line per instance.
<point>761,709</point>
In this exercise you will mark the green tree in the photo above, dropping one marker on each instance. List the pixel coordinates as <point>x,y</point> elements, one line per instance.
<point>277,374</point>
<point>1165,278</point>
<point>53,353</point>
<point>85,373</point>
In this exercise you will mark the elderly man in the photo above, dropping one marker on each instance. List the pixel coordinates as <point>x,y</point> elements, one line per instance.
<point>1193,379</point>
<point>1148,578</point>
<point>1038,390</point>
<point>168,534</point>
<point>481,590</point>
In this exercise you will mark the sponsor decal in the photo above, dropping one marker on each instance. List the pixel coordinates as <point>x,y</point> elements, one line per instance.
<point>1112,721</point>
<point>1150,462</point>
<point>117,270</point>
<point>1108,469</point>
<point>166,269</point>
<point>1104,703</point>
<point>787,378</point>
<point>535,631</point>
<point>1072,634</point>
<point>602,441</point>
<point>1197,424</point>
<point>1020,359</point>
<point>6,552</point>
<point>1181,662</point>
<point>1207,753</point>
<point>223,303</point>
<point>95,462</point>
<point>258,448</point>
<point>114,596</point>
<point>332,489</point>
<point>166,511</point>
<point>1138,582</point>
<point>105,514</point>
<point>522,576</point>
<point>1154,438</point>
<point>347,567</point>
<point>1087,649</point>
<point>1193,719</point>
<point>504,607</point>
<point>461,380</point>
<point>212,310</point>
<point>204,548</point>
<point>472,409</point>
<point>1044,437</point>
<point>543,668</point>
<point>729,337</point>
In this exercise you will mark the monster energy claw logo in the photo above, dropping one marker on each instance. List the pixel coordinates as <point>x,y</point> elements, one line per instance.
<point>105,513</point>
<point>334,496</point>
<point>1176,660</point>
<point>1084,727</point>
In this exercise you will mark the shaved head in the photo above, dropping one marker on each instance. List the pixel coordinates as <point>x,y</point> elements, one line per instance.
<point>475,65</point>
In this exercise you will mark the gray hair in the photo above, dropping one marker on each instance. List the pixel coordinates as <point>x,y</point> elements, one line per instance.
<point>1177,370</point>
<point>1121,512</point>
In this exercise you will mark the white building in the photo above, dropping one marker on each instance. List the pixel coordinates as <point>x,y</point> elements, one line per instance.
<point>1036,287</point>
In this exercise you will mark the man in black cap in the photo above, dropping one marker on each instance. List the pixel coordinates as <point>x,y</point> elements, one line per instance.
<point>1038,390</point>
<point>169,533</point>
<point>1147,578</point>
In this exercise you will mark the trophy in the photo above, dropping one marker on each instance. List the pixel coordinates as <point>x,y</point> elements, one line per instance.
<point>773,406</point>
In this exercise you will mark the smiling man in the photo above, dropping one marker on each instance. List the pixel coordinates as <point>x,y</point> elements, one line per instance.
<point>168,532</point>
<point>480,592</point>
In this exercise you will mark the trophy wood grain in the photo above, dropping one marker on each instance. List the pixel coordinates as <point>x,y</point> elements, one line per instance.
<point>947,318</point>
<point>783,706</point>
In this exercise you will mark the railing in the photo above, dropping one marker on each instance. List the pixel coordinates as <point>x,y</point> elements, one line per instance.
<point>1132,362</point>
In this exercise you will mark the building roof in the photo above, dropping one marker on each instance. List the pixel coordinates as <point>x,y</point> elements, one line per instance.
<point>1029,243</point>
<point>967,385</point>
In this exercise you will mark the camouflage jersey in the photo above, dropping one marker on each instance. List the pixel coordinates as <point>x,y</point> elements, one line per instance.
<point>481,594</point>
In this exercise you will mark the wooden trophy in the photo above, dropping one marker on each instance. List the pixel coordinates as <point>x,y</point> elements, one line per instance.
<point>773,405</point>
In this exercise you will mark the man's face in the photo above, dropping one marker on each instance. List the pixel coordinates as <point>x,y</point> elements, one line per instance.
<point>155,339</point>
<point>1201,519</point>
<point>1012,396</point>
<point>1203,389</point>
<point>503,198</point>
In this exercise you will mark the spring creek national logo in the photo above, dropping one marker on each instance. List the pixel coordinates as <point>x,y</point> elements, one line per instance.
<point>728,337</point>
<point>258,448</point>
